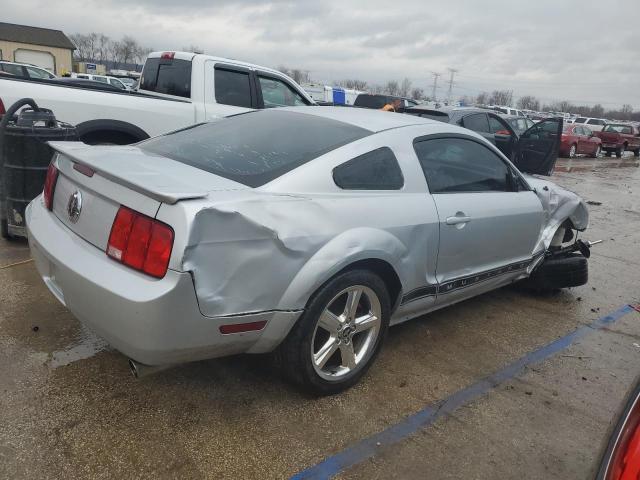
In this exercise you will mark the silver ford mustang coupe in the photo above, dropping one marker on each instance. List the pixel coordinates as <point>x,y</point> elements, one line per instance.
<point>301,231</point>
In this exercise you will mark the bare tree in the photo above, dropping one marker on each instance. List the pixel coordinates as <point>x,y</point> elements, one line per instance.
<point>482,98</point>
<point>353,84</point>
<point>529,102</point>
<point>298,75</point>
<point>405,87</point>
<point>392,87</point>
<point>417,93</point>
<point>501,97</point>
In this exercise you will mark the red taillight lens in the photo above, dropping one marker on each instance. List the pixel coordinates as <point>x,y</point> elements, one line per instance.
<point>50,186</point>
<point>140,242</point>
<point>168,55</point>
<point>625,459</point>
<point>2,109</point>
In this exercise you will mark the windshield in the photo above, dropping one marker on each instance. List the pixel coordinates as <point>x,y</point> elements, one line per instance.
<point>617,128</point>
<point>257,147</point>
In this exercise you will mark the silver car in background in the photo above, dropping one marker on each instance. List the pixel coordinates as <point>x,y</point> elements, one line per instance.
<point>306,231</point>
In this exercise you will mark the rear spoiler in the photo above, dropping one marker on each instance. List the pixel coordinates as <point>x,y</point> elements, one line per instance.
<point>149,183</point>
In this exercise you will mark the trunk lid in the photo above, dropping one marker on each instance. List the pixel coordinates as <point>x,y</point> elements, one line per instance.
<point>120,175</point>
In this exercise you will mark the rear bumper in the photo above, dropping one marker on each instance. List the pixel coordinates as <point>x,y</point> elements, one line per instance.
<point>154,322</point>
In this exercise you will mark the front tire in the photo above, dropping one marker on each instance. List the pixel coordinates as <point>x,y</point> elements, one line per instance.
<point>339,335</point>
<point>620,151</point>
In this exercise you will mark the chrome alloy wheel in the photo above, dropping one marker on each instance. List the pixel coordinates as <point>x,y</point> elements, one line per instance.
<point>346,332</point>
<point>572,151</point>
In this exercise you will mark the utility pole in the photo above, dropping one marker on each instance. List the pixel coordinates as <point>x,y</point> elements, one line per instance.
<point>435,85</point>
<point>452,71</point>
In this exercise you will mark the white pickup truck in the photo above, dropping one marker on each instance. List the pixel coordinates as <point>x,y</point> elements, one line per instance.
<point>177,89</point>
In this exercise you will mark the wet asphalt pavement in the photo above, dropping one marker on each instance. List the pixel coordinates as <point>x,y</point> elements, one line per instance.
<point>69,407</point>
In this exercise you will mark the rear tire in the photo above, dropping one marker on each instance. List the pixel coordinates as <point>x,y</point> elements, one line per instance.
<point>620,151</point>
<point>299,356</point>
<point>556,273</point>
<point>636,152</point>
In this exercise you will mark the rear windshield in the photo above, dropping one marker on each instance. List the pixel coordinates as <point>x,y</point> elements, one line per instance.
<point>618,128</point>
<point>169,76</point>
<point>257,147</point>
<point>370,101</point>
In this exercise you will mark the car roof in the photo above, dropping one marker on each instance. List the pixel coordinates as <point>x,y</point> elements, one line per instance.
<point>372,120</point>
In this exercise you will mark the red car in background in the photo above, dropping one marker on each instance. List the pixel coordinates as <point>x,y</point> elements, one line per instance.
<point>577,139</point>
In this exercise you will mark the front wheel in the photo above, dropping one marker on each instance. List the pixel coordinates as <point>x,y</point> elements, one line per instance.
<point>620,151</point>
<point>339,335</point>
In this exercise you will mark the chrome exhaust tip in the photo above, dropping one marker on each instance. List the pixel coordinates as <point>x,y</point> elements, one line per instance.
<point>139,370</point>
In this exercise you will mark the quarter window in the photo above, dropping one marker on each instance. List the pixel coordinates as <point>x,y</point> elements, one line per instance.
<point>232,88</point>
<point>276,93</point>
<point>458,165</point>
<point>376,170</point>
<point>497,125</point>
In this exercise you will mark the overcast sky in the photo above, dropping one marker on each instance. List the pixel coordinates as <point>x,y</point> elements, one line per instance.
<point>554,49</point>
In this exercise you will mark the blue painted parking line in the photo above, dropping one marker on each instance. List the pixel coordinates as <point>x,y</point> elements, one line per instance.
<point>368,447</point>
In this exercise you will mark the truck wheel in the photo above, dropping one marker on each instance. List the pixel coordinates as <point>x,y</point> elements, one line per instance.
<point>339,335</point>
<point>620,151</point>
<point>556,273</point>
<point>636,152</point>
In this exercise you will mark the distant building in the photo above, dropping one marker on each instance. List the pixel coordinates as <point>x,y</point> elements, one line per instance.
<point>46,48</point>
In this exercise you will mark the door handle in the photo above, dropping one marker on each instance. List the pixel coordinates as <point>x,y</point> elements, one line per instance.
<point>458,219</point>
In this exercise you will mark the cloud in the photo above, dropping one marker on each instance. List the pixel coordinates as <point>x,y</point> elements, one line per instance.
<point>555,50</point>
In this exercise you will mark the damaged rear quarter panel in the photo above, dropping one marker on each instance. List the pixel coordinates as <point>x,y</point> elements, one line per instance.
<point>264,251</point>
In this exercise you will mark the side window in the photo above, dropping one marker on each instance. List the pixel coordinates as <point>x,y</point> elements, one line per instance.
<point>276,93</point>
<point>453,165</point>
<point>13,69</point>
<point>37,73</point>
<point>232,88</point>
<point>376,170</point>
<point>498,125</point>
<point>100,79</point>
<point>477,122</point>
<point>116,83</point>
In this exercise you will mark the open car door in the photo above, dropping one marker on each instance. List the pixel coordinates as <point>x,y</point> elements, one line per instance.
<point>538,147</point>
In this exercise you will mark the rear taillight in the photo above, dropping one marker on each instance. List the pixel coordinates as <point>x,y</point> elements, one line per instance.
<point>168,55</point>
<point>50,186</point>
<point>2,109</point>
<point>140,242</point>
<point>625,457</point>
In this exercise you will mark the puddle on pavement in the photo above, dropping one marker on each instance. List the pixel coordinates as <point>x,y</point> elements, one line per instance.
<point>86,345</point>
